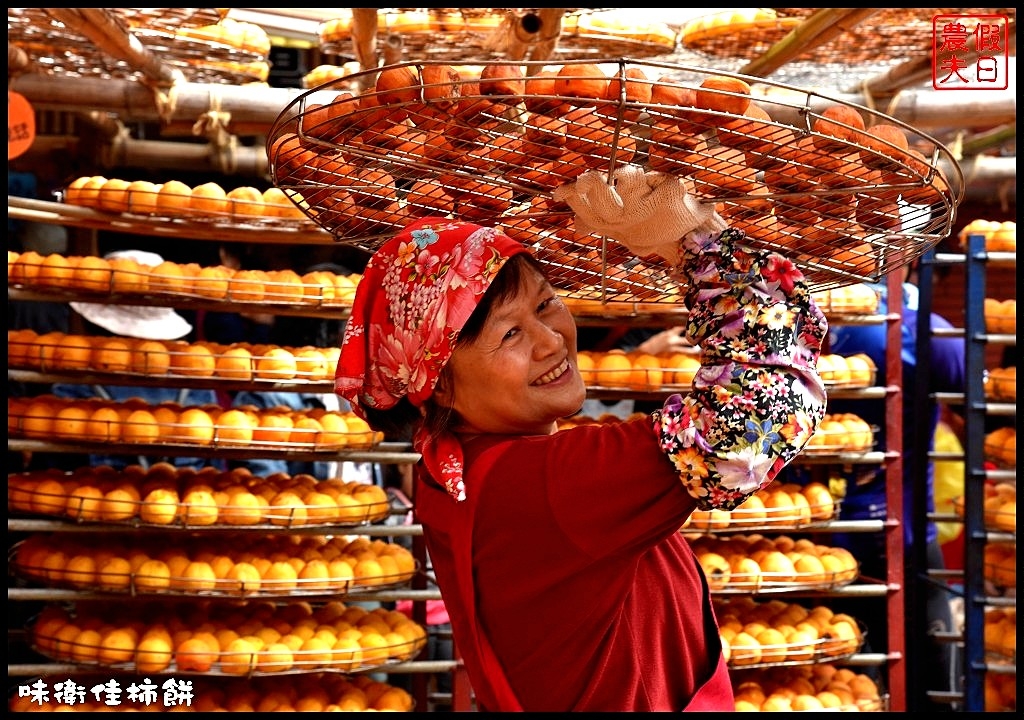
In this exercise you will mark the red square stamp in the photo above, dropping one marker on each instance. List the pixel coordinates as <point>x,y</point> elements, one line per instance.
<point>970,52</point>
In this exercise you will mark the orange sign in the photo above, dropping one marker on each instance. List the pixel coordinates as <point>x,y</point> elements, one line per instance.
<point>21,125</point>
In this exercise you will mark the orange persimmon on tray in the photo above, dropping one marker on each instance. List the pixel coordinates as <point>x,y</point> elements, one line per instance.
<point>270,565</point>
<point>123,278</point>
<point>636,370</point>
<point>753,563</point>
<point>847,192</point>
<point>234,637</point>
<point>856,299</point>
<point>999,507</point>
<point>784,506</point>
<point>163,495</point>
<point>853,371</point>
<point>174,200</point>
<point>818,686</point>
<point>780,633</point>
<point>999,236</point>
<point>841,433</point>
<point>101,358</point>
<point>104,423</point>
<point>1001,447</point>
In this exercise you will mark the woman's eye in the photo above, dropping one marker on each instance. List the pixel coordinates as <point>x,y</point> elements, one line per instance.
<point>551,304</point>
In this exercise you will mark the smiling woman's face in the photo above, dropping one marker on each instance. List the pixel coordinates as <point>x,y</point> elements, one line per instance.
<point>519,375</point>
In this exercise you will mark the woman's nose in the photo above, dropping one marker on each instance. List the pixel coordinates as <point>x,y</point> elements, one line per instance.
<point>547,339</point>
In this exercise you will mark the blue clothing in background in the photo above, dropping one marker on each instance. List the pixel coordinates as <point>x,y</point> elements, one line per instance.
<point>123,455</point>
<point>266,466</point>
<point>946,373</point>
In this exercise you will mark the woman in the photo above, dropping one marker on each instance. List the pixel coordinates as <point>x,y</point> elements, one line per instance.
<point>558,554</point>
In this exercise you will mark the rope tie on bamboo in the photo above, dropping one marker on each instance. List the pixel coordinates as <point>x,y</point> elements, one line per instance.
<point>1004,194</point>
<point>213,124</point>
<point>116,149</point>
<point>869,99</point>
<point>956,148</point>
<point>166,101</point>
<point>890,109</point>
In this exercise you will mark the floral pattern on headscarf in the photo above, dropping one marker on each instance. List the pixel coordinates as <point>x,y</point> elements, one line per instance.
<point>414,298</point>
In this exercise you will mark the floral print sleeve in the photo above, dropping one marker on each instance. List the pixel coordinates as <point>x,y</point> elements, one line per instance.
<point>757,397</point>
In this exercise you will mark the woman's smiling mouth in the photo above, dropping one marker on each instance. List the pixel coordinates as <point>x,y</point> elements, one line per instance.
<point>552,375</point>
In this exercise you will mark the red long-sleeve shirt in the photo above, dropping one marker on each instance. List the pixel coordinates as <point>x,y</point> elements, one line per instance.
<point>566,538</point>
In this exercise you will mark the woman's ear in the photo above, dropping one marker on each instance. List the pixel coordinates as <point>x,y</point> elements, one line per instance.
<point>443,395</point>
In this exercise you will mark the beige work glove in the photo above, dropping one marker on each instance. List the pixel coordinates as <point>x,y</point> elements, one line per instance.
<point>647,212</point>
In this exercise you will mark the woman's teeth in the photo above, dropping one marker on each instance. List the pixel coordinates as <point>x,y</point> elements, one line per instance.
<point>553,375</point>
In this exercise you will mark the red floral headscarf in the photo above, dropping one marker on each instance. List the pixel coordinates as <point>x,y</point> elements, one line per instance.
<point>415,296</point>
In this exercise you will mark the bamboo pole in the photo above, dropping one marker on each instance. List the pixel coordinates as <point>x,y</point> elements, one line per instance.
<point>364,37</point>
<point>921,109</point>
<point>254,109</point>
<point>823,26</point>
<point>251,107</point>
<point>982,142</point>
<point>188,157</point>
<point>100,28</point>
<point>896,78</point>
<point>990,179</point>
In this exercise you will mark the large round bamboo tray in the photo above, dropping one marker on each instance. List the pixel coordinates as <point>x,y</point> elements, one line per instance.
<point>845,210</point>
<point>167,32</point>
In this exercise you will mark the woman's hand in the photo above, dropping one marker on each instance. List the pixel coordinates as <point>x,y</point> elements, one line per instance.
<point>647,212</point>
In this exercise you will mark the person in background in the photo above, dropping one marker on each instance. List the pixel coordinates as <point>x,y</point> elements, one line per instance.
<point>142,322</point>
<point>292,332</point>
<point>865,489</point>
<point>229,327</point>
<point>643,340</point>
<point>558,553</point>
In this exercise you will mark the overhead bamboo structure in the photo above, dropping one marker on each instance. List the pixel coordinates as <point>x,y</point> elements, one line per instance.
<point>820,28</point>
<point>101,28</point>
<point>532,36</point>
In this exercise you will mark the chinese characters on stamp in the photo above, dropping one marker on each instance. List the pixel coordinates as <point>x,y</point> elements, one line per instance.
<point>970,52</point>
